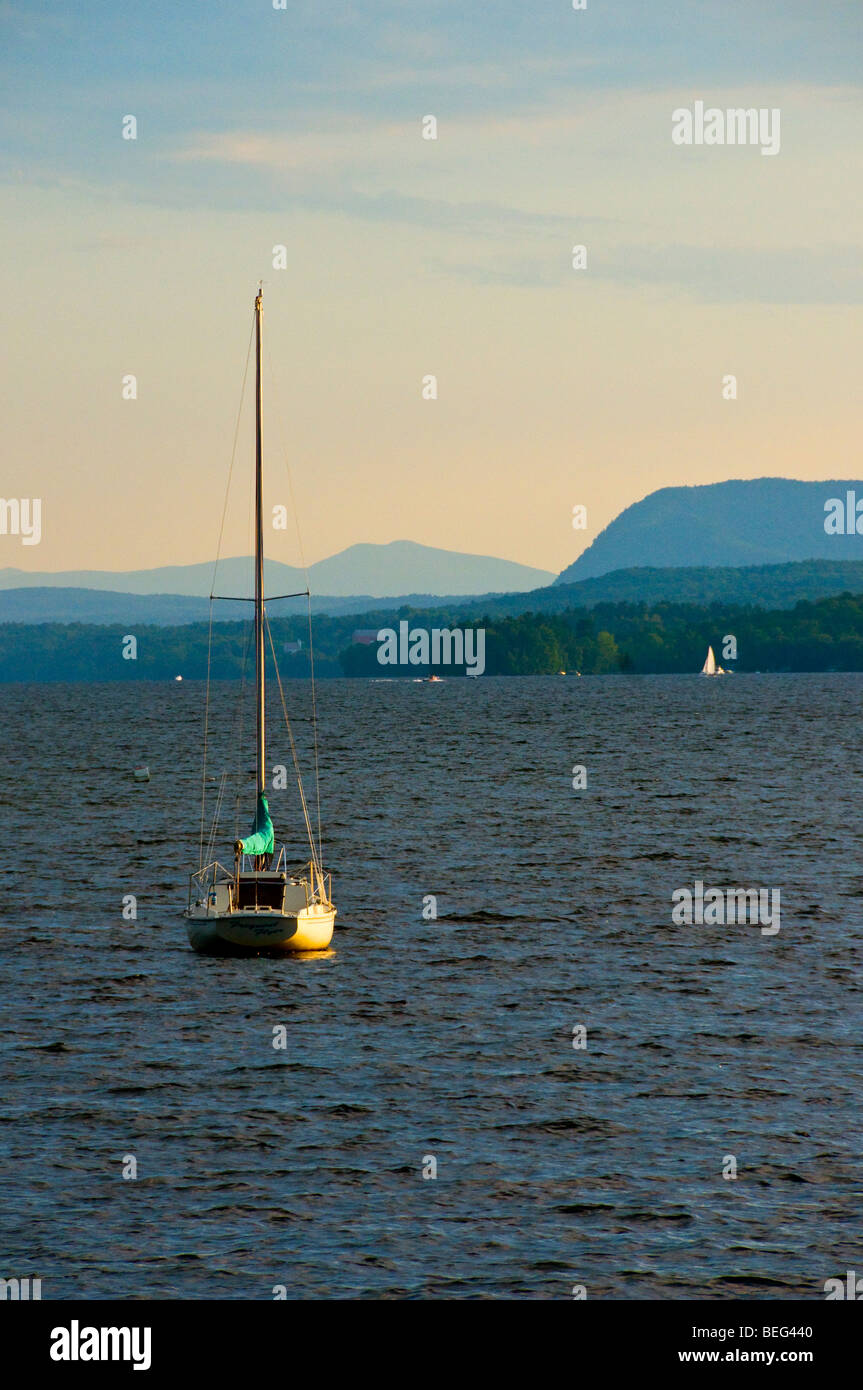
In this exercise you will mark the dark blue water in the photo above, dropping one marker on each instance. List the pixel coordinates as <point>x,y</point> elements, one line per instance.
<point>452,1037</point>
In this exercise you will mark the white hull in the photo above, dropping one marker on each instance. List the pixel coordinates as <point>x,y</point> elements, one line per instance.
<point>249,933</point>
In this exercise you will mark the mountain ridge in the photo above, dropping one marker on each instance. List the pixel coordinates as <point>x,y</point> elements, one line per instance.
<point>732,524</point>
<point>766,586</point>
<point>365,568</point>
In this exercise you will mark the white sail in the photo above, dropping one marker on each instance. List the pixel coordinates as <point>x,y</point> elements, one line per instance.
<point>709,667</point>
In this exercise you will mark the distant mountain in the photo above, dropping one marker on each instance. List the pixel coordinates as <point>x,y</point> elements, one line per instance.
<point>763,521</point>
<point>102,606</point>
<point>765,586</point>
<point>401,567</point>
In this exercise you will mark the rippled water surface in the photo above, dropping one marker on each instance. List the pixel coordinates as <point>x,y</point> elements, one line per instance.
<point>450,1038</point>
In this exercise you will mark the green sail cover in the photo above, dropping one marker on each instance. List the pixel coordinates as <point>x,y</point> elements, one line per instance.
<point>261,839</point>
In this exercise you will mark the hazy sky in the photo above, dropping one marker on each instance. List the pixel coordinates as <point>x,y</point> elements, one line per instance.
<point>407,257</point>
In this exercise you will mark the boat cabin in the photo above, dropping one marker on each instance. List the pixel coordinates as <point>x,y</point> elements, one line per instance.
<point>264,889</point>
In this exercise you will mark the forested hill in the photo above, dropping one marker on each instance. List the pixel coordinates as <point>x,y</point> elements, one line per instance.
<point>768,586</point>
<point>756,521</point>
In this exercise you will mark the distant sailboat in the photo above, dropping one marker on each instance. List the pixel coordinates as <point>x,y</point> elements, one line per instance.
<point>710,667</point>
<point>257,906</point>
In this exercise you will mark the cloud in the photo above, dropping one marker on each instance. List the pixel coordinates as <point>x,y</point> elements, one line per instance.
<point>791,275</point>
<point>709,274</point>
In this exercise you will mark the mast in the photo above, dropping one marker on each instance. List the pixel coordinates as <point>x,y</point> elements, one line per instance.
<point>259,553</point>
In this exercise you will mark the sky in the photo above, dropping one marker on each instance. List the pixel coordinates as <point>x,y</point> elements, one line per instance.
<point>406,258</point>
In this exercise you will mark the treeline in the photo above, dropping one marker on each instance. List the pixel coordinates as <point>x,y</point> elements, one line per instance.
<point>668,637</point>
<point>526,645</point>
<point>826,635</point>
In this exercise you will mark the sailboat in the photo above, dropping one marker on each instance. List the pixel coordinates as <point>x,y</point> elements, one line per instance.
<point>256,907</point>
<point>710,667</point>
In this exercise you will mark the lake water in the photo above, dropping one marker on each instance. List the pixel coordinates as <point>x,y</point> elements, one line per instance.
<point>449,1038</point>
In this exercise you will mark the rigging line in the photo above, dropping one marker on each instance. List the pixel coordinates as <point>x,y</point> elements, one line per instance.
<point>206,731</point>
<point>234,741</point>
<point>286,460</point>
<point>315,734</point>
<point>239,725</point>
<point>295,510</point>
<point>211,839</point>
<point>233,455</point>
<point>309,831</point>
<point>212,843</point>
<point>213,585</point>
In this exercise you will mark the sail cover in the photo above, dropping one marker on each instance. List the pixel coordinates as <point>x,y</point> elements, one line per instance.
<point>261,839</point>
